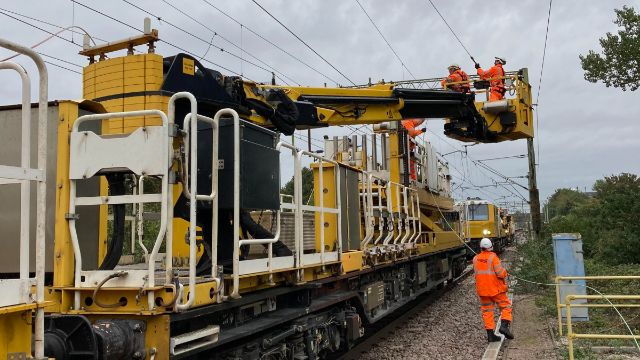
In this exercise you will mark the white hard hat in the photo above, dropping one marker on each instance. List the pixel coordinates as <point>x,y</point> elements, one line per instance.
<point>454,66</point>
<point>485,243</point>
<point>502,60</point>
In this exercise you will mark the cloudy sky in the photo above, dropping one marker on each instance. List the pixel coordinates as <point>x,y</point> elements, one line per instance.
<point>586,131</point>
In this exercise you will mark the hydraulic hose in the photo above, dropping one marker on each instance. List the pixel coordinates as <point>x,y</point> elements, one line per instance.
<point>116,243</point>
<point>104,281</point>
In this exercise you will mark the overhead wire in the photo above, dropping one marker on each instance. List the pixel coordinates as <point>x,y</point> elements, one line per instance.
<point>161,40</point>
<point>477,165</point>
<point>8,14</point>
<point>385,39</point>
<point>50,24</point>
<point>544,53</point>
<point>213,31</point>
<point>62,67</point>
<point>42,53</point>
<point>451,29</point>
<point>303,42</point>
<point>57,35</point>
<point>49,38</point>
<point>163,20</point>
<point>58,59</point>
<point>225,39</point>
<point>254,32</point>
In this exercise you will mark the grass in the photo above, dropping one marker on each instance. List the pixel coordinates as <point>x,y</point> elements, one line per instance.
<point>537,265</point>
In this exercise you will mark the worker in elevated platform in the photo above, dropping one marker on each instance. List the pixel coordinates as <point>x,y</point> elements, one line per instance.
<point>456,76</point>
<point>411,126</point>
<point>491,286</point>
<point>495,75</point>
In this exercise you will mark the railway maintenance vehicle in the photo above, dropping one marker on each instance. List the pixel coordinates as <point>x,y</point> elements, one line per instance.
<point>160,230</point>
<point>482,219</point>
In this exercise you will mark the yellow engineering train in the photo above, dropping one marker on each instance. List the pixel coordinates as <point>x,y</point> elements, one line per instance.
<point>150,233</point>
<point>482,219</point>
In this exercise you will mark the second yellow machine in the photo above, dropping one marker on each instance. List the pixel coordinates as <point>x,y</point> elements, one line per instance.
<point>483,219</point>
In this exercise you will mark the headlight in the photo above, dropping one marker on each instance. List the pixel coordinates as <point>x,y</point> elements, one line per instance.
<point>486,232</point>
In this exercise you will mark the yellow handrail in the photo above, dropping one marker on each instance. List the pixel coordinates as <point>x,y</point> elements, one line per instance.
<point>568,305</point>
<point>571,335</point>
<point>560,305</point>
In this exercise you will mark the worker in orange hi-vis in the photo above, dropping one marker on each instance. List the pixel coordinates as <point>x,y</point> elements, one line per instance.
<point>496,76</point>
<point>491,286</point>
<point>453,81</point>
<point>411,125</point>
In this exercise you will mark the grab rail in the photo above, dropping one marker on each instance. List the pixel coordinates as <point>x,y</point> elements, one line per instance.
<point>33,175</point>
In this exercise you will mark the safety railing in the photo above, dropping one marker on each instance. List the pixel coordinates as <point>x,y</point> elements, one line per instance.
<point>297,205</point>
<point>393,209</point>
<point>382,214</point>
<point>572,336</point>
<point>324,256</point>
<point>569,302</point>
<point>190,191</point>
<point>270,264</point>
<point>147,152</point>
<point>567,281</point>
<point>139,211</point>
<point>84,164</point>
<point>17,291</point>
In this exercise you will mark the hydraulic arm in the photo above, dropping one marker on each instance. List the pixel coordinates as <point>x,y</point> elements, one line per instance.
<point>287,108</point>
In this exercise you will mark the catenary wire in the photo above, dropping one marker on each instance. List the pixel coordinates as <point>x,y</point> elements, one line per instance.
<point>50,24</point>
<point>162,41</point>
<point>216,33</point>
<point>385,39</point>
<point>451,29</point>
<point>303,42</point>
<point>544,53</point>
<point>269,42</point>
<point>161,19</point>
<point>203,40</point>
<point>51,37</point>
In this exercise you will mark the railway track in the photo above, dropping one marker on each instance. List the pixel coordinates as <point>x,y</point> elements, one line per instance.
<point>386,327</point>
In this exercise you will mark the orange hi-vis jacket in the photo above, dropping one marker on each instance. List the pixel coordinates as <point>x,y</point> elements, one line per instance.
<point>454,77</point>
<point>489,273</point>
<point>411,124</point>
<point>497,85</point>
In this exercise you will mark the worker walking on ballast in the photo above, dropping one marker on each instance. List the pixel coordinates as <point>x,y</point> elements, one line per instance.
<point>491,286</point>
<point>496,76</point>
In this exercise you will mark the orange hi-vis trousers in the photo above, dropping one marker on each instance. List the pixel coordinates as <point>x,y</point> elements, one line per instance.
<point>487,306</point>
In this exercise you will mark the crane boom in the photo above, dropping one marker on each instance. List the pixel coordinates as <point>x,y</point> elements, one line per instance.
<point>287,108</point>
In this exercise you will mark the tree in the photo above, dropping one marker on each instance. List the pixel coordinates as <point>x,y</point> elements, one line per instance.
<point>608,223</point>
<point>563,201</point>
<point>619,63</point>
<point>307,186</point>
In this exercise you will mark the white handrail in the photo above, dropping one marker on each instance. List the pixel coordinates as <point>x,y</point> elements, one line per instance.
<point>25,163</point>
<point>236,199</point>
<point>405,207</point>
<point>297,201</point>
<point>140,220</point>
<point>322,208</point>
<point>41,189</point>
<point>390,221</point>
<point>191,143</point>
<point>164,201</point>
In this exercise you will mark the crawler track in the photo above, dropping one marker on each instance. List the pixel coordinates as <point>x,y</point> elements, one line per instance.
<point>382,329</point>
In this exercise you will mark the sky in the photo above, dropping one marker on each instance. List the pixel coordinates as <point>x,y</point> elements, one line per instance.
<point>584,131</point>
